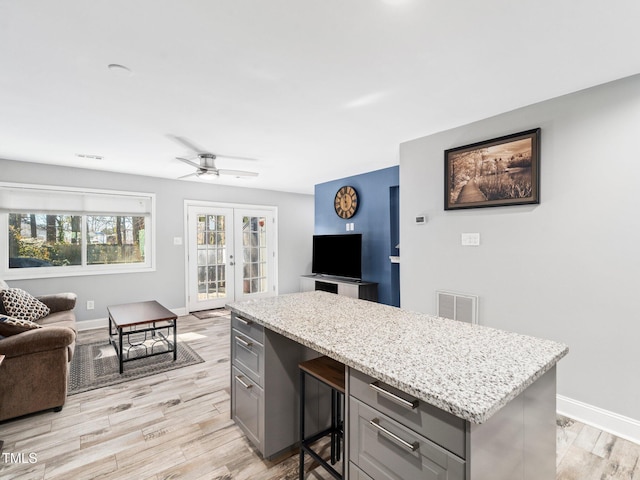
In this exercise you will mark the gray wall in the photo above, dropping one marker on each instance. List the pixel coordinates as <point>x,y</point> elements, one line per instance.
<point>167,283</point>
<point>566,269</point>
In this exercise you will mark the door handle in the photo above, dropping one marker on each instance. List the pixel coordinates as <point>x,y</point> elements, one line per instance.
<point>412,446</point>
<point>244,320</point>
<point>241,382</point>
<point>411,404</point>
<point>242,341</point>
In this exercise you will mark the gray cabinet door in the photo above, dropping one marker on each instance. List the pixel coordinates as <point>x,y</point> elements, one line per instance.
<point>386,450</point>
<point>440,427</point>
<point>246,406</point>
<point>247,327</point>
<point>248,355</point>
<point>356,474</point>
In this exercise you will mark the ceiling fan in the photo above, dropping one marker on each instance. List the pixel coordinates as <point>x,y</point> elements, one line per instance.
<point>205,162</point>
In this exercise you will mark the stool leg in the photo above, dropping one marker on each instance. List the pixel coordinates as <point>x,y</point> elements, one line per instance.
<point>301,474</point>
<point>338,425</point>
<point>333,426</point>
<point>342,446</point>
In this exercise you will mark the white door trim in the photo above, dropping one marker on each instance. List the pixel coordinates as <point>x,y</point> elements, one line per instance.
<point>204,203</point>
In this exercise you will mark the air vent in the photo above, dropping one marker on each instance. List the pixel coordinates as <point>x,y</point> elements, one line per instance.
<point>457,306</point>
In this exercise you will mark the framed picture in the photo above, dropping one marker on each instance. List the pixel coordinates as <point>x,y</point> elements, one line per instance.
<point>493,173</point>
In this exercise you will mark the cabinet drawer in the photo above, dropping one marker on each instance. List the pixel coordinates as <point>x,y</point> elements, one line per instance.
<point>248,355</point>
<point>356,474</point>
<point>384,449</point>
<point>437,425</point>
<point>248,327</point>
<point>247,400</point>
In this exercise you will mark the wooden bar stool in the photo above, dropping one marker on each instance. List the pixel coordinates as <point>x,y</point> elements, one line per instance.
<point>331,373</point>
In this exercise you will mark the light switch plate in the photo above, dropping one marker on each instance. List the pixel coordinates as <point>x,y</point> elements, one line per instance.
<point>470,239</point>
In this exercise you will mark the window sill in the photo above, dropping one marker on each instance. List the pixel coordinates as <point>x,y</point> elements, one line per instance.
<point>57,272</point>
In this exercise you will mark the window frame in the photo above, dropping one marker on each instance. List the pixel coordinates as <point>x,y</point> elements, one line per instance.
<point>24,273</point>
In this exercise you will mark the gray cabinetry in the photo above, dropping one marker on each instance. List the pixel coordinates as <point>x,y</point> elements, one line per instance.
<point>392,436</point>
<point>356,474</point>
<point>247,403</point>
<point>386,449</point>
<point>341,286</point>
<point>441,427</point>
<point>247,377</point>
<point>248,355</point>
<point>264,391</point>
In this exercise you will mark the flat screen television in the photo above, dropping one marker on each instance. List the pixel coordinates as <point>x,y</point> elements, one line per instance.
<point>338,255</point>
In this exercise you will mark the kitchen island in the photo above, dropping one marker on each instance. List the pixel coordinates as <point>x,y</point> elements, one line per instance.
<point>481,401</point>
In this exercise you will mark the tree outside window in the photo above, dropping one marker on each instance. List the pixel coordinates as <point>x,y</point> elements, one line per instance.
<point>53,240</point>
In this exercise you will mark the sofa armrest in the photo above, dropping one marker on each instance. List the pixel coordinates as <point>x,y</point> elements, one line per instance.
<point>37,340</point>
<point>59,302</point>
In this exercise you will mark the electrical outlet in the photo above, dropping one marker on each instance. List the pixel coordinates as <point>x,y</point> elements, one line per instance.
<point>90,305</point>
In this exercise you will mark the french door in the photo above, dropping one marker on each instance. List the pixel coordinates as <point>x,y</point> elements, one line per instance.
<point>231,254</point>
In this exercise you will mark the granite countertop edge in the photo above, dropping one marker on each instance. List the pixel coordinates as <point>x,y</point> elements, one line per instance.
<point>477,415</point>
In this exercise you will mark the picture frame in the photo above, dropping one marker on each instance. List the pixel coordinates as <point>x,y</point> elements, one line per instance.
<point>493,173</point>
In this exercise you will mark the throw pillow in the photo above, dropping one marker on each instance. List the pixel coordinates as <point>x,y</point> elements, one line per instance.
<point>12,326</point>
<point>19,304</point>
<point>3,286</point>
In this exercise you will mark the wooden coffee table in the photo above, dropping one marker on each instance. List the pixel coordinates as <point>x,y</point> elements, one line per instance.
<point>144,325</point>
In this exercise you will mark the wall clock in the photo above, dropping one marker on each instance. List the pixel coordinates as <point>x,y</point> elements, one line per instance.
<point>346,202</point>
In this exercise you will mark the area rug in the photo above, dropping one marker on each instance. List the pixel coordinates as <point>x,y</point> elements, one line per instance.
<point>95,365</point>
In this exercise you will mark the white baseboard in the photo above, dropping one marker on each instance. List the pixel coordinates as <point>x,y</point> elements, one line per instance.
<point>91,324</point>
<point>618,425</point>
<point>104,322</point>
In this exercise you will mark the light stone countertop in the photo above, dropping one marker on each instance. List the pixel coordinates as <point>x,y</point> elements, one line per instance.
<point>468,370</point>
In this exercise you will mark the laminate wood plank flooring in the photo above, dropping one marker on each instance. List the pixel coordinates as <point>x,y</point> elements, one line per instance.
<point>176,425</point>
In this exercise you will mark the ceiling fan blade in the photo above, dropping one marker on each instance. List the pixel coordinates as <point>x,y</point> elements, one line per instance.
<point>187,176</point>
<point>185,142</point>
<point>194,164</point>
<point>237,173</point>
<point>233,157</point>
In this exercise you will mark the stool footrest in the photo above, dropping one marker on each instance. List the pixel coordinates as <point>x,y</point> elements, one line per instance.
<point>332,374</point>
<point>334,473</point>
<point>314,438</point>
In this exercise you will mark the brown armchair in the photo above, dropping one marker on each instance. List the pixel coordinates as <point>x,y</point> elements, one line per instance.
<point>35,371</point>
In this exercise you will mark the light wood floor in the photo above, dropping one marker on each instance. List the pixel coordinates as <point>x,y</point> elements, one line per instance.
<point>176,425</point>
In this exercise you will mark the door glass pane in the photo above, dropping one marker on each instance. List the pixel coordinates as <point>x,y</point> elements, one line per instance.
<point>254,251</point>
<point>211,257</point>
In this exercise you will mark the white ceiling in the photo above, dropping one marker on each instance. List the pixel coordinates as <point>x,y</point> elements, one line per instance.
<point>314,89</point>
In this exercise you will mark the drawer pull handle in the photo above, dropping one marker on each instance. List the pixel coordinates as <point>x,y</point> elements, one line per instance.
<point>244,320</point>
<point>409,446</point>
<point>244,342</point>
<point>243,383</point>
<point>413,404</point>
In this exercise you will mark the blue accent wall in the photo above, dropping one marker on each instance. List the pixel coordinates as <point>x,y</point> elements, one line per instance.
<point>377,221</point>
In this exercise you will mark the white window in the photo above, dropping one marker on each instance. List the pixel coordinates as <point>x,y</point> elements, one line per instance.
<point>51,232</point>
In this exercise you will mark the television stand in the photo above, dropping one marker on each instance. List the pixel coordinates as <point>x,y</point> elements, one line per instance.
<point>342,286</point>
